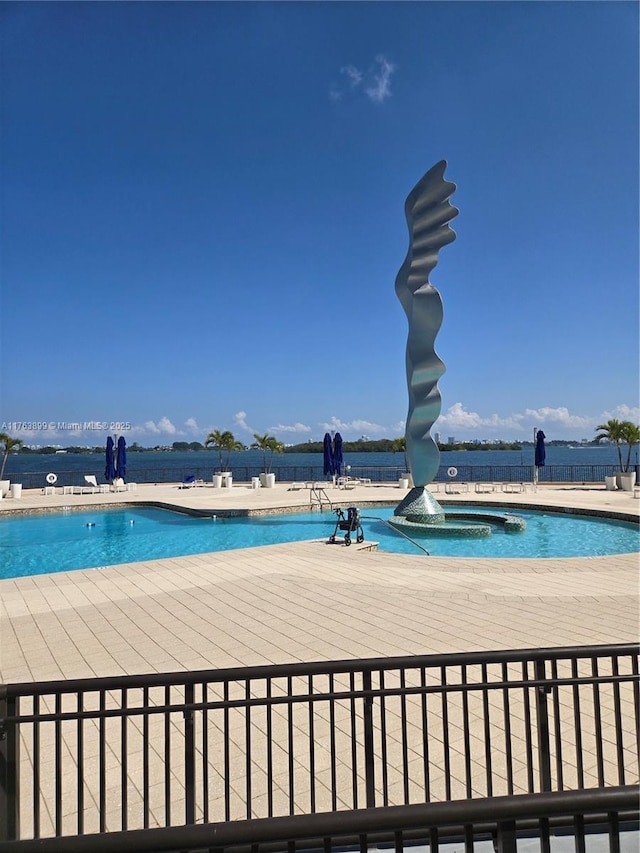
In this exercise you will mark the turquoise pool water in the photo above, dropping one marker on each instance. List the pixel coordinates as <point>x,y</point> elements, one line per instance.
<point>56,542</point>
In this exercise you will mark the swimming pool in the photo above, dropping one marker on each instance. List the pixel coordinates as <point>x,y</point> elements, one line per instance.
<point>56,542</point>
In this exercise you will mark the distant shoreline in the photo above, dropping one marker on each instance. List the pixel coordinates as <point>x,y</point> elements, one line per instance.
<point>379,446</point>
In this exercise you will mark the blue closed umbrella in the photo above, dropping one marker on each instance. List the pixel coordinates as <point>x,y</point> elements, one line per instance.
<point>121,458</point>
<point>337,454</point>
<point>328,455</point>
<point>541,453</point>
<point>110,469</point>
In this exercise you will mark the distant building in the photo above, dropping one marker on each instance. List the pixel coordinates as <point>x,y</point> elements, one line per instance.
<point>451,440</point>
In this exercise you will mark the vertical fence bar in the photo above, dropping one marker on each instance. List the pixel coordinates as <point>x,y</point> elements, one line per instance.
<point>269,724</point>
<point>102,763</point>
<point>542,716</point>
<point>332,745</point>
<point>405,744</point>
<point>9,764</point>
<point>617,715</point>
<point>578,834</point>
<point>225,749</point>
<point>189,756</point>
<point>57,726</point>
<point>383,742</point>
<point>167,756</point>
<point>369,758</point>
<point>506,837</point>
<point>557,728</point>
<point>614,832</point>
<point>312,750</point>
<point>425,735</point>
<point>204,687</point>
<point>80,762</point>
<point>527,727</point>
<point>506,714</point>
<point>247,747</point>
<point>36,769</point>
<point>487,730</point>
<point>577,725</point>
<point>466,732</point>
<point>597,714</point>
<point>146,774</point>
<point>354,742</point>
<point>124,763</point>
<point>445,734</point>
<point>290,745</point>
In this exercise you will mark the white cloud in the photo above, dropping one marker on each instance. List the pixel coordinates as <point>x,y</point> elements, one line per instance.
<point>353,74</point>
<point>380,89</point>
<point>458,417</point>
<point>375,83</point>
<point>359,427</point>
<point>560,416</point>
<point>558,421</point>
<point>295,428</point>
<point>191,424</point>
<point>622,413</point>
<point>164,425</point>
<point>240,419</point>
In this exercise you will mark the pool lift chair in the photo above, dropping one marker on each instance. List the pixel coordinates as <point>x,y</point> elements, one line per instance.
<point>350,523</point>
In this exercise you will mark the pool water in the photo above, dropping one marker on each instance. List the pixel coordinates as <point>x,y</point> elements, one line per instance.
<point>56,542</point>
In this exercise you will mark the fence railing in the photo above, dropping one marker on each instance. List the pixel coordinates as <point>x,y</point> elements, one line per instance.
<point>249,745</point>
<point>378,474</point>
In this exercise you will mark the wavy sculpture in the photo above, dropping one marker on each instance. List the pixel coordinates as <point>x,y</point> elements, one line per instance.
<point>428,214</point>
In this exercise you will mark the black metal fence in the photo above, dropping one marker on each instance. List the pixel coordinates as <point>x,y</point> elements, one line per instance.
<point>387,474</point>
<point>473,743</point>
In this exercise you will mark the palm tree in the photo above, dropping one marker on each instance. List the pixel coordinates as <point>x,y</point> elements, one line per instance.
<point>630,433</point>
<point>400,444</point>
<point>613,432</point>
<point>267,444</point>
<point>223,442</point>
<point>8,444</point>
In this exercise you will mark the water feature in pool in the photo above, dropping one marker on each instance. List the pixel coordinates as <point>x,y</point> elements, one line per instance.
<point>44,544</point>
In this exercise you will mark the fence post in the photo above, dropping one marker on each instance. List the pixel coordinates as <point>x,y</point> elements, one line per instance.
<point>9,762</point>
<point>369,763</point>
<point>189,757</point>
<point>506,839</point>
<point>542,714</point>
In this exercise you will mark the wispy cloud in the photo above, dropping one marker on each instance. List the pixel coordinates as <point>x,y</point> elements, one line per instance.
<point>240,420</point>
<point>380,89</point>
<point>374,83</point>
<point>292,428</point>
<point>355,427</point>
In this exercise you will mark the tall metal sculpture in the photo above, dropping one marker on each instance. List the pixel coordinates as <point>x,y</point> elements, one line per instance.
<point>428,214</point>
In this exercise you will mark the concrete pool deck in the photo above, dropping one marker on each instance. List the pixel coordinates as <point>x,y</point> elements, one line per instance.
<point>308,601</point>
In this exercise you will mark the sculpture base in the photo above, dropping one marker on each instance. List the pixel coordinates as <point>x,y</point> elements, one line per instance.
<point>420,512</point>
<point>420,507</point>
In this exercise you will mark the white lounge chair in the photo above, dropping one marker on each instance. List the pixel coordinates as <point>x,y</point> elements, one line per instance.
<point>91,486</point>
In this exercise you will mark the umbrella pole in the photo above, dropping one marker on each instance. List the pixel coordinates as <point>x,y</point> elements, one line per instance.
<point>535,467</point>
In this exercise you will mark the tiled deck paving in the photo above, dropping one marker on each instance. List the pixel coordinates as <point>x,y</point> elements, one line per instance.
<point>306,601</point>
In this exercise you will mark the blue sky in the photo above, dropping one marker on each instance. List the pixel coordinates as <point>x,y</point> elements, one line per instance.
<point>203,216</point>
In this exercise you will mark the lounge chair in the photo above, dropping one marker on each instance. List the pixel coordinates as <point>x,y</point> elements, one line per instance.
<point>90,488</point>
<point>188,481</point>
<point>119,485</point>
